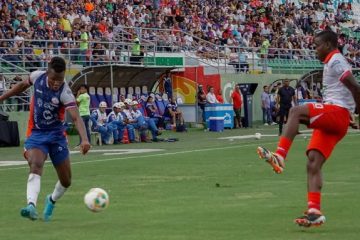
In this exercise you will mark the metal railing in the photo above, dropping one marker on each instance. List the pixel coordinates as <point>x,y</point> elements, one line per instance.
<point>29,55</point>
<point>15,103</point>
<point>218,55</point>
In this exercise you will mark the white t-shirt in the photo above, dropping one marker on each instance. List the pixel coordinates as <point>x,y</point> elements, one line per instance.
<point>335,92</point>
<point>211,98</point>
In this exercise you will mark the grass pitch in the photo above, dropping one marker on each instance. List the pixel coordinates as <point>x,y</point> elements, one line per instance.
<point>201,187</point>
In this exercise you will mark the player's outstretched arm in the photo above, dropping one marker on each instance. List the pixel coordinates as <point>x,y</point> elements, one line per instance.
<point>350,82</point>
<point>75,116</point>
<point>17,89</point>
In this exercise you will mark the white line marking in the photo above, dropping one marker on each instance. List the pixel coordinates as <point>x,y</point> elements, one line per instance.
<point>12,163</point>
<point>132,151</point>
<point>157,155</point>
<point>119,151</point>
<point>249,136</point>
<point>170,153</point>
<point>302,133</point>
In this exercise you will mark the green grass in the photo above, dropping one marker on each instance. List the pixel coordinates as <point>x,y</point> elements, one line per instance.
<point>172,194</point>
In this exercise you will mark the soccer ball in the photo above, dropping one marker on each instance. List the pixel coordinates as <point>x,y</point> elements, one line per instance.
<point>96,199</point>
<point>257,136</point>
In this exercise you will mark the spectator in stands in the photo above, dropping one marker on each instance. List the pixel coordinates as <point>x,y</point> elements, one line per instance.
<point>98,54</point>
<point>110,54</point>
<point>264,53</point>
<point>84,45</point>
<point>210,96</point>
<point>237,101</point>
<point>135,52</point>
<point>243,64</point>
<point>65,23</point>
<point>234,60</point>
<point>83,101</point>
<point>19,38</point>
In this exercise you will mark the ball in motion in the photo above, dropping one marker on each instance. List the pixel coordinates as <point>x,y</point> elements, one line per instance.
<point>257,136</point>
<point>96,199</point>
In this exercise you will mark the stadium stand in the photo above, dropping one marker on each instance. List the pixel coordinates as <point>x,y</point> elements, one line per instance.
<point>198,27</point>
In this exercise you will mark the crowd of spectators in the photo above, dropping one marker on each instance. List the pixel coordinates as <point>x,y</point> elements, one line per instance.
<point>277,29</point>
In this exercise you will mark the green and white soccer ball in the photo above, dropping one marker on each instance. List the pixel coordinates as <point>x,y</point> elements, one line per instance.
<point>96,199</point>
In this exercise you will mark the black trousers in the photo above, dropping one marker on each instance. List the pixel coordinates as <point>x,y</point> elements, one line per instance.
<point>283,113</point>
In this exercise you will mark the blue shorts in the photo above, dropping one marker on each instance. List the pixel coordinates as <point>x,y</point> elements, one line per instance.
<point>53,143</point>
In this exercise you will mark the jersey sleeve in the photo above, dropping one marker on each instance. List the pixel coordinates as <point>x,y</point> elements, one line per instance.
<point>340,68</point>
<point>34,76</point>
<point>67,98</point>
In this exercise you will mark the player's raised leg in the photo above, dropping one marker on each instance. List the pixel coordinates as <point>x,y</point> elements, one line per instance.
<point>297,115</point>
<point>36,159</point>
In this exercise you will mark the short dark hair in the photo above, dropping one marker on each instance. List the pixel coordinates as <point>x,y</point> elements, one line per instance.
<point>328,36</point>
<point>57,64</point>
<point>84,86</point>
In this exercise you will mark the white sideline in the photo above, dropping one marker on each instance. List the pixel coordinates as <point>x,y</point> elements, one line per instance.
<point>173,153</point>
<point>158,154</point>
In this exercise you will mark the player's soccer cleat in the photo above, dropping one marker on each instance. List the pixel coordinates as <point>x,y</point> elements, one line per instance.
<point>275,160</point>
<point>29,212</point>
<point>311,218</point>
<point>49,208</point>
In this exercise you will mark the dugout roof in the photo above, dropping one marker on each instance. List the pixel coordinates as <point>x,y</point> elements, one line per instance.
<point>123,76</point>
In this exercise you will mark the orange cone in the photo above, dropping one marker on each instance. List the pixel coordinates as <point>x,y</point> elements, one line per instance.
<point>125,139</point>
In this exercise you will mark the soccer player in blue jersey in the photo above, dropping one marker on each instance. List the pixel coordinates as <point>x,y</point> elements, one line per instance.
<point>46,133</point>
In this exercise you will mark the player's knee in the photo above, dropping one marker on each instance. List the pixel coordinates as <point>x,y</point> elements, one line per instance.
<point>36,166</point>
<point>66,183</point>
<point>315,161</point>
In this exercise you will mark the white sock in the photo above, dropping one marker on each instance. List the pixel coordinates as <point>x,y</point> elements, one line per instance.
<point>58,191</point>
<point>33,188</point>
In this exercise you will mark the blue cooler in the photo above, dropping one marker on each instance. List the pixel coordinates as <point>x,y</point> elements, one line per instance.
<point>216,124</point>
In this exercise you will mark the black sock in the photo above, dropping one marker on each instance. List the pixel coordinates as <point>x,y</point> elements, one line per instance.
<point>51,200</point>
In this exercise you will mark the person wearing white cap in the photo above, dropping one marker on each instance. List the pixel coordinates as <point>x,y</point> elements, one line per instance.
<point>136,119</point>
<point>149,122</point>
<point>130,120</point>
<point>98,118</point>
<point>113,120</point>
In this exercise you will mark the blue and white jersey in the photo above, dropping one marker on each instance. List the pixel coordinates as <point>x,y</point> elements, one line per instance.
<point>136,114</point>
<point>128,114</point>
<point>172,106</point>
<point>48,107</point>
<point>100,117</point>
<point>113,117</point>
